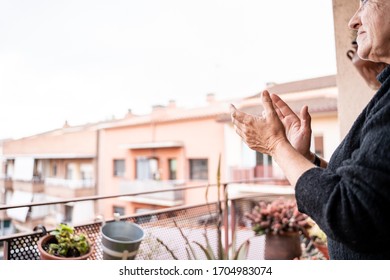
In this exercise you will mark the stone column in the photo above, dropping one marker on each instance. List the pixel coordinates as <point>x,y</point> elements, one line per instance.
<point>354,93</point>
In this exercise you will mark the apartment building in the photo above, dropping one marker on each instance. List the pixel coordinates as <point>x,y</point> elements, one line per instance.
<point>47,167</point>
<point>167,149</point>
<point>171,147</point>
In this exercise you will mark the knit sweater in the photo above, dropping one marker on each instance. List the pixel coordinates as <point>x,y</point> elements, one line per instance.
<point>350,199</point>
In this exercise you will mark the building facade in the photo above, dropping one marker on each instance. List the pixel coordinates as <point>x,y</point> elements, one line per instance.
<point>52,166</point>
<point>167,149</point>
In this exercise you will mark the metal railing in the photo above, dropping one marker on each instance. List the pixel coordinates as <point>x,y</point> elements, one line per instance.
<point>69,183</point>
<point>194,221</point>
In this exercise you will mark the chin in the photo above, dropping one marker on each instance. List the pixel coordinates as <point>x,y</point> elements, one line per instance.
<point>363,53</point>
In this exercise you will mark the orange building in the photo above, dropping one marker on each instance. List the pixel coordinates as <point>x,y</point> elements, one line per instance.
<point>170,147</point>
<point>166,149</point>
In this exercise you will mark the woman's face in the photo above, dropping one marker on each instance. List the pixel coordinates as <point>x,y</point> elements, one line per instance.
<point>372,23</point>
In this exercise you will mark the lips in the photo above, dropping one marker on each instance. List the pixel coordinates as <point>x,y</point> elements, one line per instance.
<point>359,36</point>
<point>360,32</point>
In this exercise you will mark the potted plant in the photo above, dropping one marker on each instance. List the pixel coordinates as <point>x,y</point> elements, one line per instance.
<point>64,243</point>
<point>319,238</point>
<point>282,224</point>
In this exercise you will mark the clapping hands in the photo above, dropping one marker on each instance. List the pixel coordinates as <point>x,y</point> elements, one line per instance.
<point>278,123</point>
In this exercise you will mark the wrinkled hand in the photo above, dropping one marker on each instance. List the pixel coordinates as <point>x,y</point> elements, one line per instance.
<point>298,129</point>
<point>261,133</point>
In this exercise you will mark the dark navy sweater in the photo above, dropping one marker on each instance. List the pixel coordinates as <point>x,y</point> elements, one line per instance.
<point>350,199</point>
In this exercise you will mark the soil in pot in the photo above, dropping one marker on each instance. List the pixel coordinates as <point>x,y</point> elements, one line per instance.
<point>43,245</point>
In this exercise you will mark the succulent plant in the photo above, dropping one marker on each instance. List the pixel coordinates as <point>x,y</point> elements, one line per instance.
<point>277,217</point>
<point>69,244</point>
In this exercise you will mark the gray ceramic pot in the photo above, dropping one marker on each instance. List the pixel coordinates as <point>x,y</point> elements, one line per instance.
<point>121,240</point>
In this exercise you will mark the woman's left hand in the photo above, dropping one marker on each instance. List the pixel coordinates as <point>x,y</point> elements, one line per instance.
<point>261,133</point>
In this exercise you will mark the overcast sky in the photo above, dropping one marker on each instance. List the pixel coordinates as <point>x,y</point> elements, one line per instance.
<point>88,60</point>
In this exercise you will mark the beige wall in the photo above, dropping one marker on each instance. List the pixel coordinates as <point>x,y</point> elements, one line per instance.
<point>82,142</point>
<point>328,127</point>
<point>354,94</point>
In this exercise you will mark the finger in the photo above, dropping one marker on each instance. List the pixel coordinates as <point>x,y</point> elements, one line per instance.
<point>285,110</point>
<point>237,114</point>
<point>276,99</point>
<point>236,123</point>
<point>267,102</point>
<point>280,115</point>
<point>305,118</point>
<point>232,111</point>
<point>240,130</point>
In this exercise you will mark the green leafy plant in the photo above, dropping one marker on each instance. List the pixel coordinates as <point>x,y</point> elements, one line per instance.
<point>68,243</point>
<point>277,217</point>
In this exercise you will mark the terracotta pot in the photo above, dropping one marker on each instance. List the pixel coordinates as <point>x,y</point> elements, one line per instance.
<point>46,256</point>
<point>282,246</point>
<point>323,249</point>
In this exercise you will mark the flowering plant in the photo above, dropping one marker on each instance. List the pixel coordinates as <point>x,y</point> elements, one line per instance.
<point>277,217</point>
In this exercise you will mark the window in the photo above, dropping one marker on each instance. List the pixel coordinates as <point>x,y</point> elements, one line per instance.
<point>263,167</point>
<point>119,167</point>
<point>319,145</point>
<point>147,169</point>
<point>69,171</point>
<point>263,159</point>
<point>199,169</point>
<point>54,170</point>
<point>119,209</point>
<point>146,218</point>
<point>172,163</point>
<point>68,213</point>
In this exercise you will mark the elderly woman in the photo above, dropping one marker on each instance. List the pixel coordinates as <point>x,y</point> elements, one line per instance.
<point>349,197</point>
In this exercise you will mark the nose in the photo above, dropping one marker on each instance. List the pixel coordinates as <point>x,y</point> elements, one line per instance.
<point>354,22</point>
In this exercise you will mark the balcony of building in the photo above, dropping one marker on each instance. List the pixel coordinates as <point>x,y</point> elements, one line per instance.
<point>167,225</point>
<point>148,191</point>
<point>251,173</point>
<point>6,184</point>
<point>56,187</point>
<point>35,185</point>
<point>69,188</point>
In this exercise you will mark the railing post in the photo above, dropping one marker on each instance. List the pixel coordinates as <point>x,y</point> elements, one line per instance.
<point>6,250</point>
<point>233,223</point>
<point>226,218</point>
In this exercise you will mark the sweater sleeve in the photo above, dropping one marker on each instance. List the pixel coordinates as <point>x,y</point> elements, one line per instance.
<point>352,202</point>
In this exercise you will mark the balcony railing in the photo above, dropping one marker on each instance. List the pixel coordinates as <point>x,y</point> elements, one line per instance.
<point>5,184</point>
<point>171,197</point>
<point>67,188</point>
<point>69,183</point>
<point>193,220</point>
<point>254,173</point>
<point>33,186</point>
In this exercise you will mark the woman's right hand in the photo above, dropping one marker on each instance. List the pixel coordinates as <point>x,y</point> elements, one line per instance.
<point>298,129</point>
